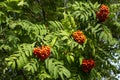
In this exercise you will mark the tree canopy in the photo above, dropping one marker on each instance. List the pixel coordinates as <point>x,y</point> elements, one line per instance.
<point>59,39</point>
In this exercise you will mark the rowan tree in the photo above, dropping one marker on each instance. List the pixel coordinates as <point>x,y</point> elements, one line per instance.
<point>59,39</point>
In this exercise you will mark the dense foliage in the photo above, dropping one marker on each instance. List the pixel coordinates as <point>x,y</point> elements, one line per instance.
<point>59,39</point>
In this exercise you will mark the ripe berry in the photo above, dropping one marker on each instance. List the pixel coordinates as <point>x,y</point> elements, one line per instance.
<point>79,37</point>
<point>103,13</point>
<point>42,52</point>
<point>87,65</point>
<point>36,50</point>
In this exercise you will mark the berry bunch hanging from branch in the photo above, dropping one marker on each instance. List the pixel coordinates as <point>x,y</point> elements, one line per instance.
<point>79,37</point>
<point>87,65</point>
<point>42,52</point>
<point>103,13</point>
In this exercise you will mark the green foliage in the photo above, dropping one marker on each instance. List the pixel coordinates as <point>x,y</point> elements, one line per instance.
<point>115,7</point>
<point>20,58</point>
<point>31,66</point>
<point>56,69</point>
<point>26,24</point>
<point>55,25</point>
<point>107,36</point>
<point>83,11</point>
<point>26,29</point>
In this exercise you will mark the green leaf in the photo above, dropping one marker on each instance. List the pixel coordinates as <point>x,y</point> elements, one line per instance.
<point>66,72</point>
<point>49,65</point>
<point>54,67</point>
<point>53,41</point>
<point>34,67</point>
<point>48,37</point>
<point>13,65</point>
<point>55,26</point>
<point>55,73</point>
<point>22,3</point>
<point>61,75</point>
<point>44,75</point>
<point>9,64</point>
<point>18,64</point>
<point>70,58</point>
<point>81,59</point>
<point>24,58</point>
<point>96,28</point>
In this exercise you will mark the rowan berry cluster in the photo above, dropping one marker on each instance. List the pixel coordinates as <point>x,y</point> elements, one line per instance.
<point>79,37</point>
<point>42,52</point>
<point>103,13</point>
<point>87,65</point>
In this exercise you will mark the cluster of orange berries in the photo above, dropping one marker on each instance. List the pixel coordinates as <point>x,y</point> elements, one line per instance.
<point>103,12</point>
<point>42,52</point>
<point>79,37</point>
<point>87,65</point>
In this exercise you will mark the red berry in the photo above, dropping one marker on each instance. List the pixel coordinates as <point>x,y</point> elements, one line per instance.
<point>79,37</point>
<point>87,65</point>
<point>103,13</point>
<point>36,51</point>
<point>42,52</point>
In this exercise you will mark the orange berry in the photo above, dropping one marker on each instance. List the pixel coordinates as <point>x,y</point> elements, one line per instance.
<point>103,13</point>
<point>87,65</point>
<point>79,37</point>
<point>42,52</point>
<point>36,50</point>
